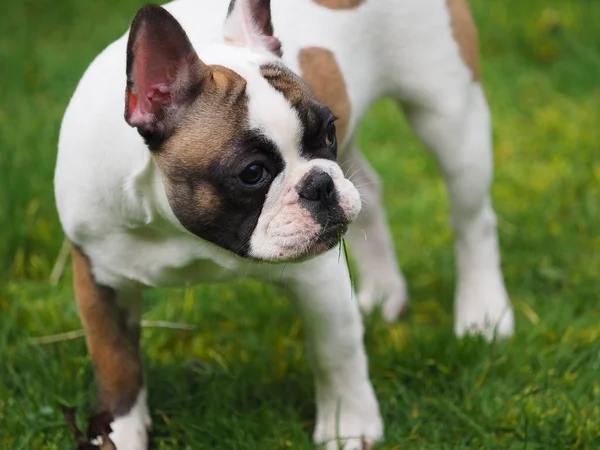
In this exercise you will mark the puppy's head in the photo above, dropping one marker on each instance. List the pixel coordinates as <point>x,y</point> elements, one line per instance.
<point>247,154</point>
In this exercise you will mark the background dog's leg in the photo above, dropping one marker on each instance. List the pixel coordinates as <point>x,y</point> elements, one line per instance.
<point>380,279</point>
<point>346,404</point>
<point>112,335</point>
<point>456,128</point>
<point>436,80</point>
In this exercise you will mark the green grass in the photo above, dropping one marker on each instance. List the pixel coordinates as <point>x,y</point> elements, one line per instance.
<point>241,381</point>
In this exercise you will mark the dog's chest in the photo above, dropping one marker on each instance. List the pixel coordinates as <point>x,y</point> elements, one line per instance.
<point>132,259</point>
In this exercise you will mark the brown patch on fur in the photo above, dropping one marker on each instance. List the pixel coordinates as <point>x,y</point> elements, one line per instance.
<point>465,34</point>
<point>214,120</point>
<point>340,4</point>
<point>295,91</point>
<point>321,72</point>
<point>112,344</point>
<point>210,122</point>
<point>203,140</point>
<point>222,78</point>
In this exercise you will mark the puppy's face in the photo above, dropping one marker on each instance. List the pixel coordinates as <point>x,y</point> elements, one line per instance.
<point>248,155</point>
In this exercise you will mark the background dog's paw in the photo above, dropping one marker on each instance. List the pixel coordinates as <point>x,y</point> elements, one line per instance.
<point>482,306</point>
<point>389,293</point>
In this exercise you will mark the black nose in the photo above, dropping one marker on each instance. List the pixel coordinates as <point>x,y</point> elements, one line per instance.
<point>318,186</point>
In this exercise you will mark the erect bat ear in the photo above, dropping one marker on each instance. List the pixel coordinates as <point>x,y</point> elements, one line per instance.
<point>249,24</point>
<point>164,73</point>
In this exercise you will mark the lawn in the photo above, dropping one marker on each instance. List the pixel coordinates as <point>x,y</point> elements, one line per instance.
<point>240,381</point>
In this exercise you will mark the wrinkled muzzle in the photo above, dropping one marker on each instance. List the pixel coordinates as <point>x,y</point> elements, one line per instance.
<point>307,211</point>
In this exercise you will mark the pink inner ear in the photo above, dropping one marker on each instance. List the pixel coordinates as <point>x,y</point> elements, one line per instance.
<point>142,109</point>
<point>158,94</point>
<point>152,78</point>
<point>250,24</point>
<point>273,44</point>
<point>162,70</point>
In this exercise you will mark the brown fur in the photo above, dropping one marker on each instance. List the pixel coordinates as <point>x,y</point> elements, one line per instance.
<point>209,123</point>
<point>213,121</point>
<point>465,34</point>
<point>112,344</point>
<point>321,72</point>
<point>289,84</point>
<point>340,4</point>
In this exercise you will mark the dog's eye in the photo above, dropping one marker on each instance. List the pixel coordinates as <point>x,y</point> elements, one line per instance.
<point>253,174</point>
<point>330,136</point>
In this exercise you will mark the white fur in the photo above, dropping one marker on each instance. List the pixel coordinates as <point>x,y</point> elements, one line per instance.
<point>111,199</point>
<point>457,132</point>
<point>130,432</point>
<point>346,405</point>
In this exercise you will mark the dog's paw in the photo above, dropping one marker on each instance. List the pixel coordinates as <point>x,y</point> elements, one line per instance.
<point>482,306</point>
<point>352,422</point>
<point>389,292</point>
<point>347,444</point>
<point>130,431</point>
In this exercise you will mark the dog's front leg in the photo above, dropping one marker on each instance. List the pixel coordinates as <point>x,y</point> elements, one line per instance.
<point>111,323</point>
<point>347,410</point>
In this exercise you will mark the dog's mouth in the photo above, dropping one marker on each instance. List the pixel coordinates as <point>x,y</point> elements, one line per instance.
<point>332,234</point>
<point>328,238</point>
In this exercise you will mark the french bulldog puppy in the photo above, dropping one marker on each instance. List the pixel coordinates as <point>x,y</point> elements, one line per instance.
<point>217,136</point>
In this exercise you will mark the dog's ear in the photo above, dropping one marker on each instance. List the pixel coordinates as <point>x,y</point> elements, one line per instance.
<point>249,23</point>
<point>164,73</point>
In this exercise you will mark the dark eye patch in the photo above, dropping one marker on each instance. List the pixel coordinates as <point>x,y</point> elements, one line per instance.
<point>254,147</point>
<point>229,174</point>
<point>206,192</point>
<point>316,120</point>
<point>260,143</point>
